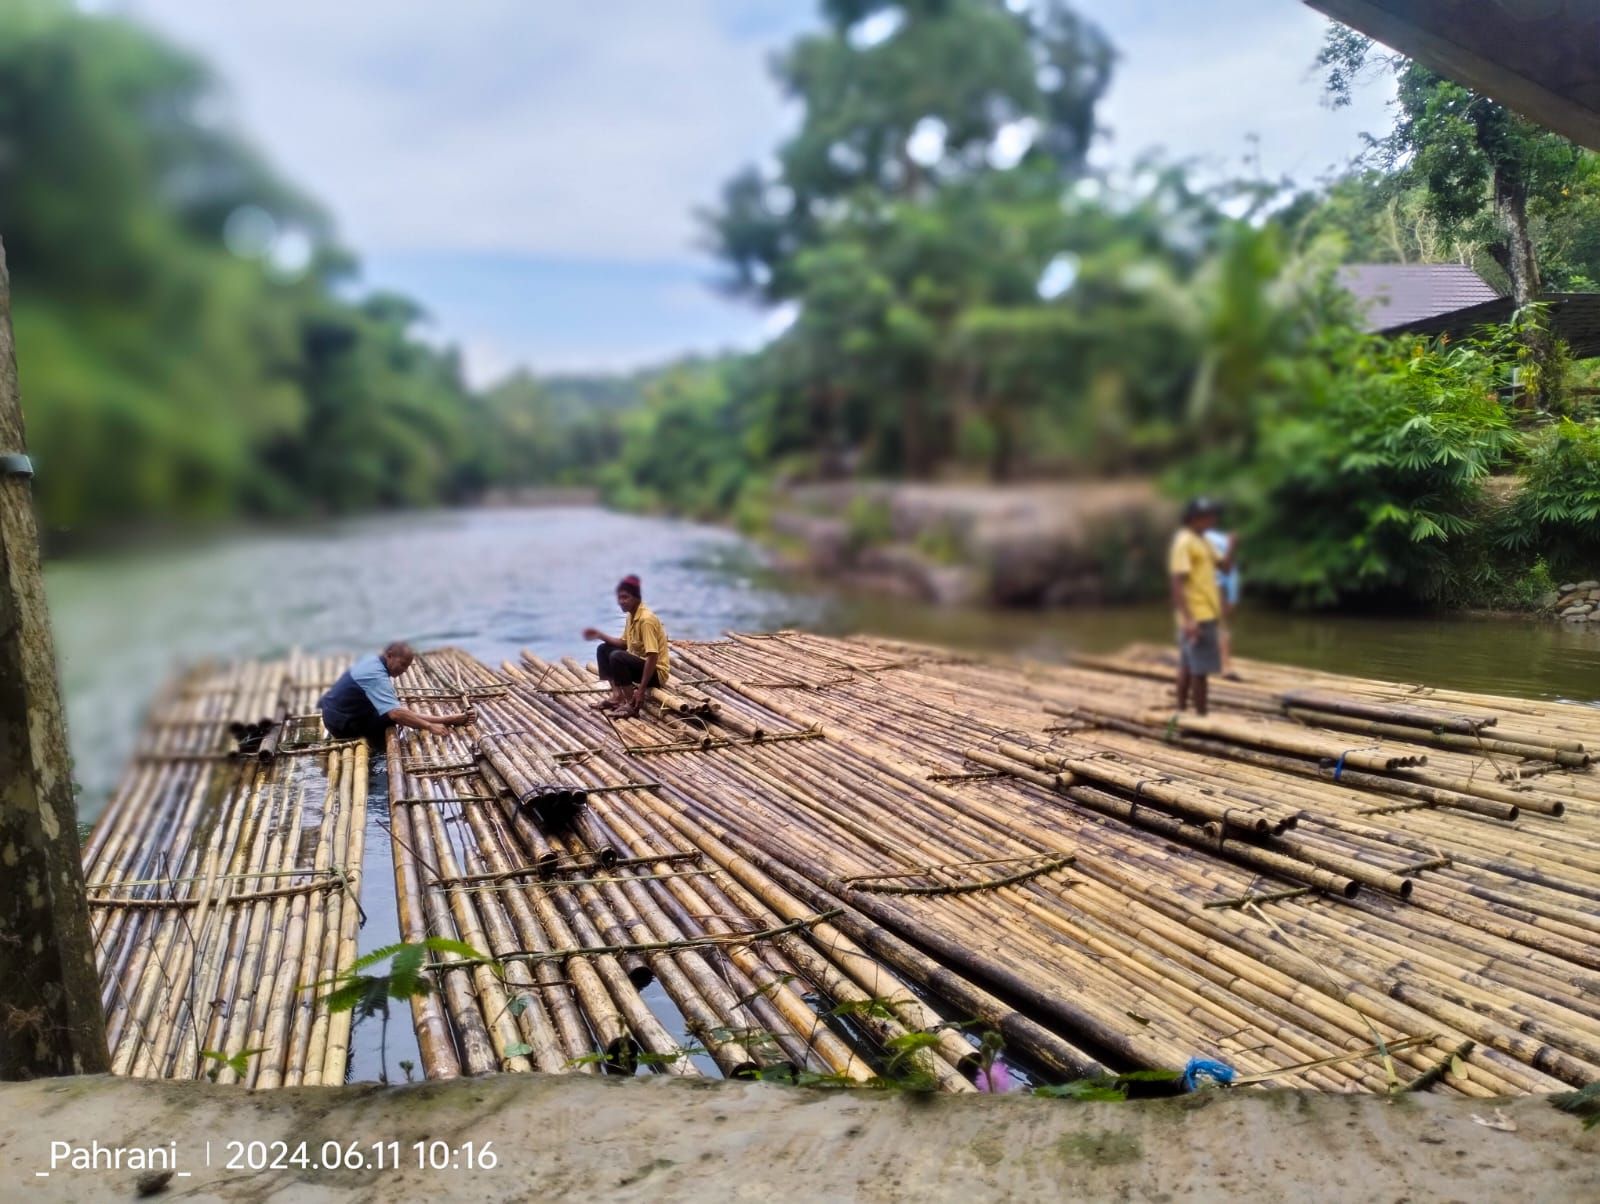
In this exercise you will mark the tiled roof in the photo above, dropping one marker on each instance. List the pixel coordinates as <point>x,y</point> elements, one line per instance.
<point>1397,294</point>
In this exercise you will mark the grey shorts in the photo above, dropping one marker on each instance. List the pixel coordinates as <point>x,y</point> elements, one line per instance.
<point>1202,656</point>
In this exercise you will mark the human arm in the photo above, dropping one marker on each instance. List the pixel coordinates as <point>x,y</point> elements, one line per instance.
<point>594,633</point>
<point>1227,559</point>
<point>439,725</point>
<point>1178,568</point>
<point>1180,606</point>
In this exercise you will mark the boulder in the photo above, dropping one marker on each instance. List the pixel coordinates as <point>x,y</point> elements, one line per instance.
<point>917,576</point>
<point>1570,611</point>
<point>1569,587</point>
<point>1587,585</point>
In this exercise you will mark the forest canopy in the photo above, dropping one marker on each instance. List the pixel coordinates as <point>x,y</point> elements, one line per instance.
<point>971,298</point>
<point>192,340</point>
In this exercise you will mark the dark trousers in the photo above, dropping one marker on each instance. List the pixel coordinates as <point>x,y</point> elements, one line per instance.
<point>370,726</point>
<point>620,667</point>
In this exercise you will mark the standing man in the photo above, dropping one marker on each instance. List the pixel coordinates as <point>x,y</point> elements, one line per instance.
<point>1197,601</point>
<point>1223,544</point>
<point>363,702</point>
<point>638,659</point>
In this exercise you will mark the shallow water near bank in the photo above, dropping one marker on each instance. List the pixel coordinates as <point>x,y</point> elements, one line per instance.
<point>497,581</point>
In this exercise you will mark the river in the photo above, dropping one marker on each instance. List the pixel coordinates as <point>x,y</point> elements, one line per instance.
<point>496,581</point>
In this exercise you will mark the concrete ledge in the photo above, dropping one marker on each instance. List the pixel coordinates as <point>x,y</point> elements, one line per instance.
<point>583,1138</point>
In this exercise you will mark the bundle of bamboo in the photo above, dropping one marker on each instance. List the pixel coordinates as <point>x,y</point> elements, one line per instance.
<point>1304,900</point>
<point>220,885</point>
<point>812,843</point>
<point>574,922</point>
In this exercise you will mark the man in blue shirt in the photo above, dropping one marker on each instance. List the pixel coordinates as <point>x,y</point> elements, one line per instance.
<point>363,702</point>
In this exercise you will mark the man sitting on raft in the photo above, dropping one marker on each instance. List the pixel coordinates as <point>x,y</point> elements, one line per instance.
<point>363,701</point>
<point>639,659</point>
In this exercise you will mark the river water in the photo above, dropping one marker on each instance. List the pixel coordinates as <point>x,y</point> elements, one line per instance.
<point>496,581</point>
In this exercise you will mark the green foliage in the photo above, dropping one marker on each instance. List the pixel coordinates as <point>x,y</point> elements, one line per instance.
<point>868,522</point>
<point>957,313</point>
<point>1584,1104</point>
<point>966,67</point>
<point>239,1062</point>
<point>1107,1088</point>
<point>174,368</point>
<point>1556,511</point>
<point>685,446</point>
<point>1374,476</point>
<point>1528,590</point>
<point>369,995</point>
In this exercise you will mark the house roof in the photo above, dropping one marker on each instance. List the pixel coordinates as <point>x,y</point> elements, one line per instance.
<point>1574,319</point>
<point>1449,298</point>
<point>1535,56</point>
<point>1391,295</point>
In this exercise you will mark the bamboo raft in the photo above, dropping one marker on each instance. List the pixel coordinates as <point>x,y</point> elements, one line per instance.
<point>221,881</point>
<point>824,852</point>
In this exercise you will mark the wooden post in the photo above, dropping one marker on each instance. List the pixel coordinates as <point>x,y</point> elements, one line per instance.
<point>50,1017</point>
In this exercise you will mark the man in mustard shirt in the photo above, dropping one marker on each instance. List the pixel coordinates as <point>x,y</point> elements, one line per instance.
<point>639,658</point>
<point>1197,601</point>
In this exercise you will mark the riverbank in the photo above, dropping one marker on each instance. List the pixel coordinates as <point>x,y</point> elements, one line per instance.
<point>1040,545</point>
<point>570,1138</point>
<point>496,581</point>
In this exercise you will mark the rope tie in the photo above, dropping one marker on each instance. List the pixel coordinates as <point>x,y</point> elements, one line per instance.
<point>1206,1072</point>
<point>1338,766</point>
<point>888,884</point>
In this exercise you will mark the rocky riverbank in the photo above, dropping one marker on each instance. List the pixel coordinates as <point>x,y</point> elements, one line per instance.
<point>1578,602</point>
<point>1038,545</point>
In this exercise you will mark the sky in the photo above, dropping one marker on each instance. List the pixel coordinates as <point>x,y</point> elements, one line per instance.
<point>529,170</point>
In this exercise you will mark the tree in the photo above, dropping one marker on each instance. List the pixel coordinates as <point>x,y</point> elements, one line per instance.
<point>885,216</point>
<point>955,87</point>
<point>193,344</point>
<point>1480,162</point>
<point>50,1018</point>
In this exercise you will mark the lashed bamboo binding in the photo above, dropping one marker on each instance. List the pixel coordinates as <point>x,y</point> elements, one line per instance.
<point>819,849</point>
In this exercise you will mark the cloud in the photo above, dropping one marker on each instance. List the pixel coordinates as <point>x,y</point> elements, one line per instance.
<point>1199,86</point>
<point>528,168</point>
<point>556,129</point>
<point>558,314</point>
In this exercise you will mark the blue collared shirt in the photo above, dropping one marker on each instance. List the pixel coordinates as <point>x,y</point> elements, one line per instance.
<point>372,675</point>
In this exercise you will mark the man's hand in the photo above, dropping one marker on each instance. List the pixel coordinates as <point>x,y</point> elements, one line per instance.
<point>1190,629</point>
<point>593,633</point>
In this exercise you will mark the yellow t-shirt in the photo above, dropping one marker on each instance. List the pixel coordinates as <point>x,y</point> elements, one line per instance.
<point>1193,558</point>
<point>643,634</point>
